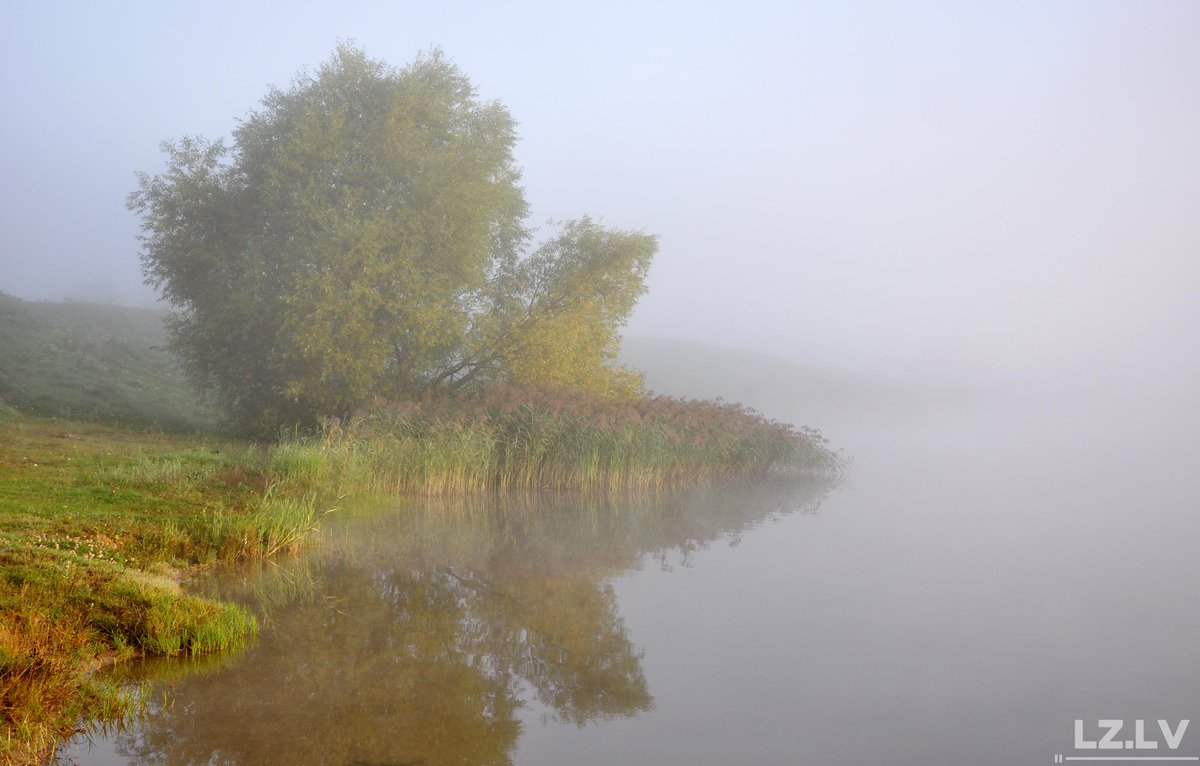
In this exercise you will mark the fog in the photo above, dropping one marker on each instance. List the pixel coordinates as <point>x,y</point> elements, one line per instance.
<point>1001,191</point>
<point>912,205</point>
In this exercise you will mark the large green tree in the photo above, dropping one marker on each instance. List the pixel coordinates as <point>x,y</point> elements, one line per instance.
<point>363,236</point>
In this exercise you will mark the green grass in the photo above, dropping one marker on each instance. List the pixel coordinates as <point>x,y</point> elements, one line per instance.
<point>97,525</point>
<point>92,362</point>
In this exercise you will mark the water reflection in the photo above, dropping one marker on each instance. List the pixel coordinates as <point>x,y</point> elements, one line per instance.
<point>417,631</point>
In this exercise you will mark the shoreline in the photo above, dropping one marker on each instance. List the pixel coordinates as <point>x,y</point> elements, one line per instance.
<point>97,522</point>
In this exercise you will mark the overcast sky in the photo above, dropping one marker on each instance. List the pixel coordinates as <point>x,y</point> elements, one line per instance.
<point>1006,187</point>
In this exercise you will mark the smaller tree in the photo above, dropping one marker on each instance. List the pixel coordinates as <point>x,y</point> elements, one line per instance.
<point>556,315</point>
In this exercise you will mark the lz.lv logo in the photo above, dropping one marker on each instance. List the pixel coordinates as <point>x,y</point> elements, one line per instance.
<point>1110,729</point>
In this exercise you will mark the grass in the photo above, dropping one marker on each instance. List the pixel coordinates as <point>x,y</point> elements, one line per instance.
<point>93,362</point>
<point>97,526</point>
<point>535,438</point>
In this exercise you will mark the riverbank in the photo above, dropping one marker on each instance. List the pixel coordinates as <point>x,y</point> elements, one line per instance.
<point>99,523</point>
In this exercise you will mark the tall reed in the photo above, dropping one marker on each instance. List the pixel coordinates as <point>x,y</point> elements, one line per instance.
<point>538,437</point>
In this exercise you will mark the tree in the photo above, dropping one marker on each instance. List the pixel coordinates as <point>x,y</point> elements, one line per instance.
<point>364,236</point>
<point>553,316</point>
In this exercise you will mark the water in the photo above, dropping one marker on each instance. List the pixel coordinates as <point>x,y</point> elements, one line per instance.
<point>992,572</point>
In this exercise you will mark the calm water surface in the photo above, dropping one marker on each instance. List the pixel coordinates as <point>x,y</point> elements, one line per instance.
<point>989,574</point>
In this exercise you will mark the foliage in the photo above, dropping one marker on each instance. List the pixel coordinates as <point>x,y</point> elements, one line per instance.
<point>570,296</point>
<point>363,236</point>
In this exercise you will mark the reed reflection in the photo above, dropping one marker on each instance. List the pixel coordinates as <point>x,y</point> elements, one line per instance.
<point>418,630</point>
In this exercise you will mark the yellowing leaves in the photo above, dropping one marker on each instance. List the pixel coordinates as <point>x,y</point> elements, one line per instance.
<point>364,237</point>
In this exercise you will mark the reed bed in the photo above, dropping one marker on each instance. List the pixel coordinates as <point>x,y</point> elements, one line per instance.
<point>532,438</point>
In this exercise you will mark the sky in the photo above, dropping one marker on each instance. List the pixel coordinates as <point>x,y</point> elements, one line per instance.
<point>1004,189</point>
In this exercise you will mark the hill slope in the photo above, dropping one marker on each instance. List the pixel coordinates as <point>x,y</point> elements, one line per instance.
<point>95,362</point>
<point>92,361</point>
<point>776,387</point>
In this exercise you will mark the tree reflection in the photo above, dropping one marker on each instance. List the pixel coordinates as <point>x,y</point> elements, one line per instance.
<point>413,635</point>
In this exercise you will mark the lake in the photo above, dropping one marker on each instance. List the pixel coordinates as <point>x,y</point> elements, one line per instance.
<point>991,572</point>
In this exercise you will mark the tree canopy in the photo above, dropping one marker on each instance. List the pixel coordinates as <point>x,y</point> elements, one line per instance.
<point>364,235</point>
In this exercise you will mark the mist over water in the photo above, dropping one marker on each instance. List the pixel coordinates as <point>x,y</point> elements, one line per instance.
<point>990,571</point>
<point>989,574</point>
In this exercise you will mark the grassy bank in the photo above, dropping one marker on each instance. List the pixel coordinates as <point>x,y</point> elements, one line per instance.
<point>97,523</point>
